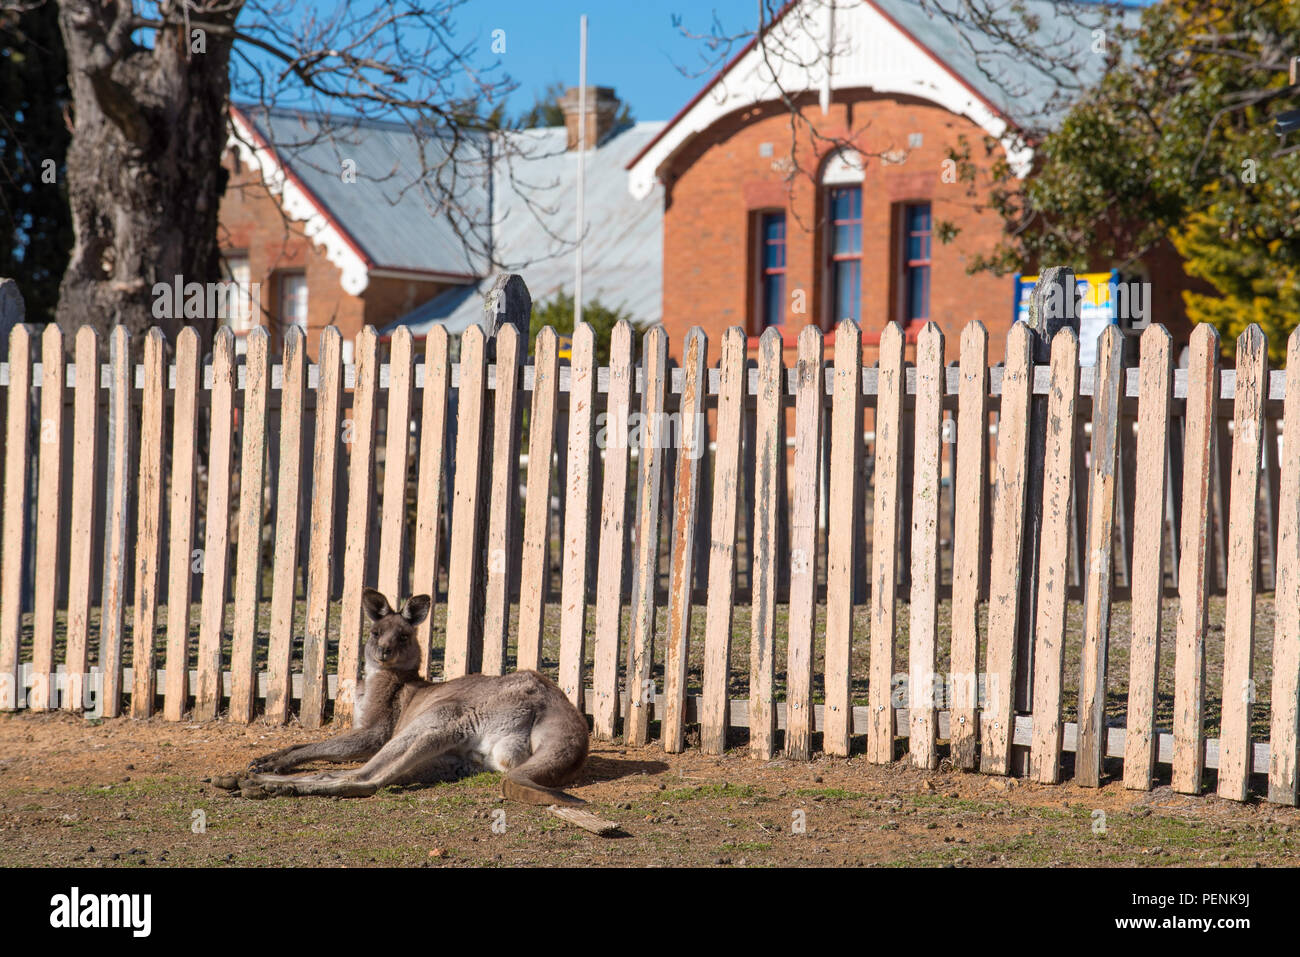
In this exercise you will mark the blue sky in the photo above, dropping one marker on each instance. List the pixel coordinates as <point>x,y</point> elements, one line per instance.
<point>632,46</point>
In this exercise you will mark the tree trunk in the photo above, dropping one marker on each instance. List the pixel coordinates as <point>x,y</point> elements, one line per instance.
<point>144,169</point>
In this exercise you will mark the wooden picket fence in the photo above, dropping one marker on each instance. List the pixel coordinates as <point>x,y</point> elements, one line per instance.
<point>76,474</point>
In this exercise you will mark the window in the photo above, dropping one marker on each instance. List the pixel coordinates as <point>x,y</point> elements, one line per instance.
<point>293,300</point>
<point>238,298</point>
<point>771,272</point>
<point>916,263</point>
<point>845,214</point>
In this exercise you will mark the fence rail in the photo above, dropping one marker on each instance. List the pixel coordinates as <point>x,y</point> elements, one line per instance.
<point>144,485</point>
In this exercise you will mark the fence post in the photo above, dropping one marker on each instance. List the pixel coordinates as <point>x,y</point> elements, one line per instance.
<point>769,457</point>
<point>465,580</point>
<point>534,571</point>
<point>85,473</point>
<point>503,518</point>
<point>117,505</point>
<point>923,630</point>
<point>48,500</point>
<point>1051,308</point>
<point>613,534</point>
<point>1243,546</point>
<point>149,509</point>
<point>576,498</point>
<point>279,655</point>
<point>968,554</point>
<point>732,390</point>
<point>320,550</point>
<point>810,398</point>
<point>692,435</point>
<point>1054,560</point>
<point>216,543</point>
<point>891,390</point>
<point>1200,437</point>
<point>843,544</point>
<point>1146,569</point>
<point>640,653</point>
<point>1107,419</point>
<point>1285,719</point>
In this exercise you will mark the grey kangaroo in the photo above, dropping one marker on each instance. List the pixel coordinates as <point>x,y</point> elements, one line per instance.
<point>411,731</point>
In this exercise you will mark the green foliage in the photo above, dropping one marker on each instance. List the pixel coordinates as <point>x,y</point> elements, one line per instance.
<point>558,312</point>
<point>1176,144</point>
<point>35,224</point>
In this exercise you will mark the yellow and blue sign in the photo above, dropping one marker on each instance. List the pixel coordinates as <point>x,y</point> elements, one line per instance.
<point>1095,299</point>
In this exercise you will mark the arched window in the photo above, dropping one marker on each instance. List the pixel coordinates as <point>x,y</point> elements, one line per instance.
<point>842,180</point>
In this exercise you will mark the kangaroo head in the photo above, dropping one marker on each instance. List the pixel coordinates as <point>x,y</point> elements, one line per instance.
<point>392,645</point>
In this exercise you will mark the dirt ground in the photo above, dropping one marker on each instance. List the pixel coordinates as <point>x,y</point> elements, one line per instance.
<point>132,793</point>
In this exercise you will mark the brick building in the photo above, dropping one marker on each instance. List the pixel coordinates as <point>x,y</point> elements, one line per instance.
<point>769,226</point>
<point>332,225</point>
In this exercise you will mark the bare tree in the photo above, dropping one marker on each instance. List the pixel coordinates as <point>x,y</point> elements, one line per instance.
<point>152,84</point>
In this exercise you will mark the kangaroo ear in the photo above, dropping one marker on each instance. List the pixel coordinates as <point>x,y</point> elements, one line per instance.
<point>375,604</point>
<point>416,608</point>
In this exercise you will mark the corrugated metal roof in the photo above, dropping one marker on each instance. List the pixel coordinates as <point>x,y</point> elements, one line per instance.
<point>998,69</point>
<point>623,249</point>
<point>389,210</point>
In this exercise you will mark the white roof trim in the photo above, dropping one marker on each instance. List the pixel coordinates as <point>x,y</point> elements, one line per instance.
<point>299,207</point>
<point>869,52</point>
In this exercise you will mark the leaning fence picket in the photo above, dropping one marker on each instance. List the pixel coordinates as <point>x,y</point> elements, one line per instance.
<point>1107,416</point>
<point>720,609</point>
<point>613,534</point>
<point>1054,559</point>
<point>691,437</point>
<point>1243,541</point>
<point>639,690</point>
<point>1284,722</point>
<point>534,570</point>
<point>1146,577</point>
<point>48,501</point>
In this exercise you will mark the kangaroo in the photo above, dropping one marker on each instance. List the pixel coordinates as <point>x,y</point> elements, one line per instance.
<point>411,731</point>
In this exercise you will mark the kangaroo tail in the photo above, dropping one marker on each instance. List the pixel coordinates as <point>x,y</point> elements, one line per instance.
<point>516,787</point>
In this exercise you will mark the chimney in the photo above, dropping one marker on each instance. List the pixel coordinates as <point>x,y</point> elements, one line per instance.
<point>602,107</point>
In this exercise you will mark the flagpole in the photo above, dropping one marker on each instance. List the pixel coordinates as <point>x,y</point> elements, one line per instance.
<point>582,165</point>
